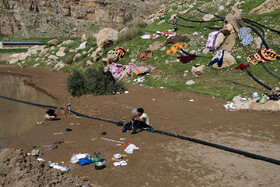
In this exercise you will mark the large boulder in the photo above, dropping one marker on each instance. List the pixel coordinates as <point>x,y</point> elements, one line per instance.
<point>60,52</point>
<point>42,53</point>
<point>228,60</point>
<point>76,57</point>
<point>53,57</point>
<point>267,6</point>
<point>82,46</point>
<point>53,42</point>
<point>67,42</point>
<point>112,58</point>
<point>84,38</point>
<point>241,103</point>
<point>207,17</point>
<point>106,37</point>
<point>198,70</point>
<point>97,54</point>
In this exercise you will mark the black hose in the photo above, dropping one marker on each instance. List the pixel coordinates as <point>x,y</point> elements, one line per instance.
<point>259,82</point>
<point>247,154</point>
<point>273,30</point>
<point>210,13</point>
<point>261,62</point>
<point>243,19</point>
<point>188,26</point>
<point>257,32</point>
<point>266,46</point>
<point>237,83</point>
<point>56,107</point>
<point>200,21</point>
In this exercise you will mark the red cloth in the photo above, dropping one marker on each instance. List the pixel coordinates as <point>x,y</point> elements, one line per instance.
<point>242,66</point>
<point>186,59</point>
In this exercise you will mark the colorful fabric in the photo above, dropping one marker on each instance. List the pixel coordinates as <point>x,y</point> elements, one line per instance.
<point>246,37</point>
<point>175,48</point>
<point>120,52</point>
<point>211,40</point>
<point>173,40</point>
<point>134,68</point>
<point>218,58</point>
<point>242,66</point>
<point>263,56</point>
<point>145,55</point>
<point>150,36</point>
<point>167,33</point>
<point>116,71</point>
<point>186,59</point>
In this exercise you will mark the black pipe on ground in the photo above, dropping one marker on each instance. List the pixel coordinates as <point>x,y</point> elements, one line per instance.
<point>247,154</point>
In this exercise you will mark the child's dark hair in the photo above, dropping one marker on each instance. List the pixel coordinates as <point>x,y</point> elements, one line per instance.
<point>141,110</point>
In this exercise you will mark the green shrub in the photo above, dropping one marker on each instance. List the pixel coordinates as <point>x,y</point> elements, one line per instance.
<point>69,58</point>
<point>102,83</point>
<point>76,83</point>
<point>94,81</point>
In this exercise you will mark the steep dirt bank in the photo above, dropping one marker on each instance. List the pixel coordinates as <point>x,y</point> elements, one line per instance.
<point>162,161</point>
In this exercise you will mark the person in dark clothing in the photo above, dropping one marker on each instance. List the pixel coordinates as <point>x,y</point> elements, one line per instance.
<point>175,23</point>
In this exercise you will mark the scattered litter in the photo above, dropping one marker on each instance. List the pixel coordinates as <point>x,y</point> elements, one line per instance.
<point>58,133</point>
<point>104,133</point>
<point>41,159</point>
<point>110,140</point>
<point>74,124</point>
<point>92,139</point>
<point>122,139</point>
<point>35,152</point>
<point>249,131</point>
<point>255,95</point>
<point>121,163</point>
<point>118,144</point>
<point>126,143</point>
<point>59,142</point>
<point>118,156</point>
<point>85,161</point>
<point>230,106</point>
<point>49,147</point>
<point>189,82</point>
<point>191,100</point>
<point>163,118</point>
<point>153,99</point>
<point>162,87</point>
<point>57,166</point>
<point>126,92</point>
<point>131,148</point>
<point>68,129</point>
<point>76,157</point>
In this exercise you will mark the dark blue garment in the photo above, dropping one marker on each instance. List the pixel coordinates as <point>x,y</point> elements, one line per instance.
<point>218,60</point>
<point>85,161</point>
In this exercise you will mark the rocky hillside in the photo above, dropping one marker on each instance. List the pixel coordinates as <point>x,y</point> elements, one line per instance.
<point>66,18</point>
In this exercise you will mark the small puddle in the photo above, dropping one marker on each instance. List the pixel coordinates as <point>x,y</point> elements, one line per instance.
<point>15,117</point>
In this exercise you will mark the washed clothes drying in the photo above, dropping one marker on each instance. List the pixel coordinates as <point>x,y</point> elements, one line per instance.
<point>246,37</point>
<point>212,37</point>
<point>218,58</point>
<point>263,56</point>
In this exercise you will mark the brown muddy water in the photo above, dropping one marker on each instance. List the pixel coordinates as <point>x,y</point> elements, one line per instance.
<point>16,117</point>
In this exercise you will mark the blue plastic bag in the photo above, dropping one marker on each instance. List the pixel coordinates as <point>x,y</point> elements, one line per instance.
<point>85,161</point>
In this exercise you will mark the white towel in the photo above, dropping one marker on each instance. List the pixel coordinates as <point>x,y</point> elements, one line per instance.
<point>130,148</point>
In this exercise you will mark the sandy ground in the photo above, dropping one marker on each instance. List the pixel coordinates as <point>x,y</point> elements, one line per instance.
<point>163,160</point>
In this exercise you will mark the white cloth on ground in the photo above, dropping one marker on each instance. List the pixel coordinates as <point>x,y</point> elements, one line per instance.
<point>130,148</point>
<point>76,157</point>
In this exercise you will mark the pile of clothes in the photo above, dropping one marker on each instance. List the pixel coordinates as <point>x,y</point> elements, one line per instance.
<point>120,72</point>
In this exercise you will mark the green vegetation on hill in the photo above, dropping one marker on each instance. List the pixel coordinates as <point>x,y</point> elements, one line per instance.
<point>171,73</point>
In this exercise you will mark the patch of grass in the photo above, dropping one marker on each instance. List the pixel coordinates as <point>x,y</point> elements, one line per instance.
<point>13,50</point>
